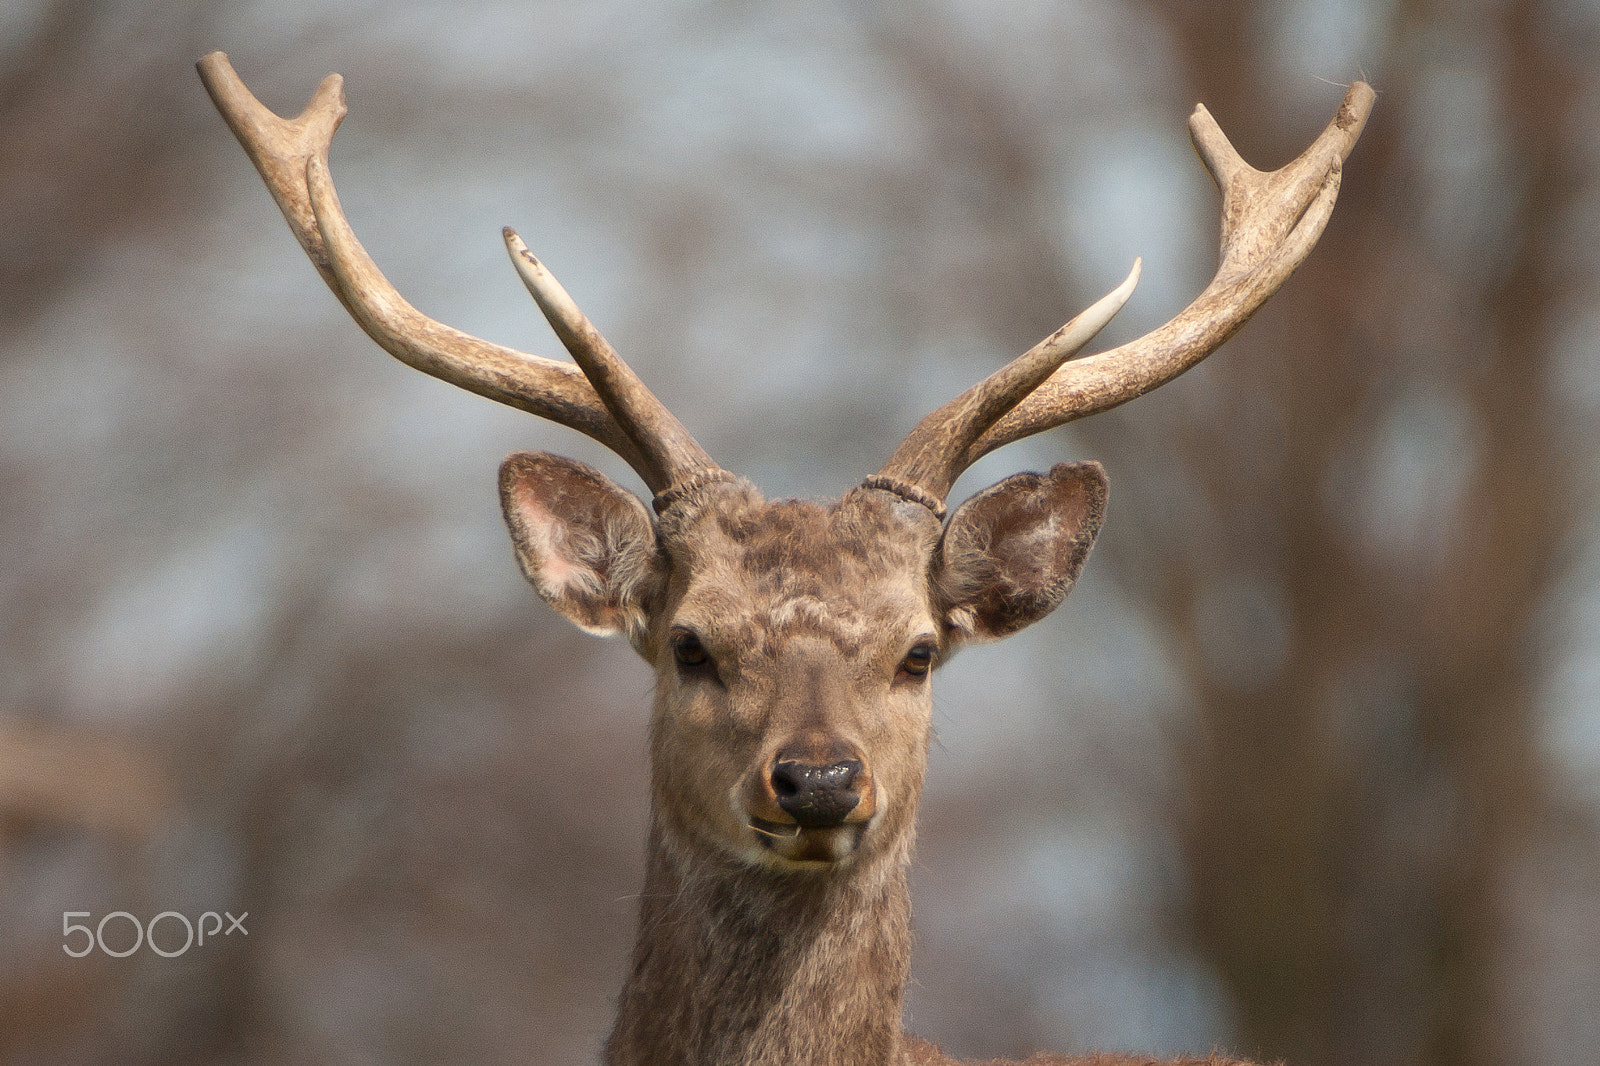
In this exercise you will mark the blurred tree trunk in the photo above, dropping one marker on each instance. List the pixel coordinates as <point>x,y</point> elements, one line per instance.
<point>1354,806</point>
<point>96,129</point>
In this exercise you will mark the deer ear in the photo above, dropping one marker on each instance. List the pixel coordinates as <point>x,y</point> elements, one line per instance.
<point>586,544</point>
<point>1011,553</point>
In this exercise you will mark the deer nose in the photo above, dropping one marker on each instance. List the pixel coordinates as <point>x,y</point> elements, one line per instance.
<point>816,795</point>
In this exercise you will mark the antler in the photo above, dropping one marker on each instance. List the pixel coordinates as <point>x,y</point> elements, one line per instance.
<point>1270,223</point>
<point>601,397</point>
<point>929,459</point>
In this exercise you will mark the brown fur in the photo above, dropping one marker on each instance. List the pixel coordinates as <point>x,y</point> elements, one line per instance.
<point>761,944</point>
<point>921,1053</point>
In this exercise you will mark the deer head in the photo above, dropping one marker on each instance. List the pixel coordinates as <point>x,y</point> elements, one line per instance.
<point>792,641</point>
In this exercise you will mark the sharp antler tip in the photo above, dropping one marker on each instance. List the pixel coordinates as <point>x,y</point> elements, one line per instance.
<point>1359,99</point>
<point>1119,295</point>
<point>519,251</point>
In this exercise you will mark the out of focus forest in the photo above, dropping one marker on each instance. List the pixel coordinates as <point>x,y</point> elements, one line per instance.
<point>1308,767</point>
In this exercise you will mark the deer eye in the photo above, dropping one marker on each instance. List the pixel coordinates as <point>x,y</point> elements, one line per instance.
<point>919,660</point>
<point>687,650</point>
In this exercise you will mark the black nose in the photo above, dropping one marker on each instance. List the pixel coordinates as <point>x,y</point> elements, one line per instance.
<point>816,796</point>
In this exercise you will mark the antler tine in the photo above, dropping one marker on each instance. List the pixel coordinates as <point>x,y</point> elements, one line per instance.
<point>931,457</point>
<point>292,158</point>
<point>666,446</point>
<point>1270,223</point>
<point>280,147</point>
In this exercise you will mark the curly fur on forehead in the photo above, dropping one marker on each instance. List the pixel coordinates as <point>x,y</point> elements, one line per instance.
<point>841,570</point>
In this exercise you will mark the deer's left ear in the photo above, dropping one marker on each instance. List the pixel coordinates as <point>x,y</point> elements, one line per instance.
<point>1011,553</point>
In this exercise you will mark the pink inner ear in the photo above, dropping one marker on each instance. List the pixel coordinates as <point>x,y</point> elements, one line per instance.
<point>586,545</point>
<point>543,538</point>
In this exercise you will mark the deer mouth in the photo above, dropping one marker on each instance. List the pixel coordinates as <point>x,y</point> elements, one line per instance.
<point>825,845</point>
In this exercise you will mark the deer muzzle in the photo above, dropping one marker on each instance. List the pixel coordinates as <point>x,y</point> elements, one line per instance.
<point>812,799</point>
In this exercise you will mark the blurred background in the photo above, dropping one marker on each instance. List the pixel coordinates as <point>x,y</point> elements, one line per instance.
<point>1308,767</point>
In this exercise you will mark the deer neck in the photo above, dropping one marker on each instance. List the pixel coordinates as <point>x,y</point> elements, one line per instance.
<point>737,965</point>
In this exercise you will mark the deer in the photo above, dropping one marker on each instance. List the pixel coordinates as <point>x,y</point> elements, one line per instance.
<point>793,642</point>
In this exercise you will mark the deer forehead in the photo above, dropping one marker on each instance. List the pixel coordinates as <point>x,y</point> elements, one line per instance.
<point>758,574</point>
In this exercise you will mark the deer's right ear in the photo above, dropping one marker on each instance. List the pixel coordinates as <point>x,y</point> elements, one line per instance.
<point>585,543</point>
